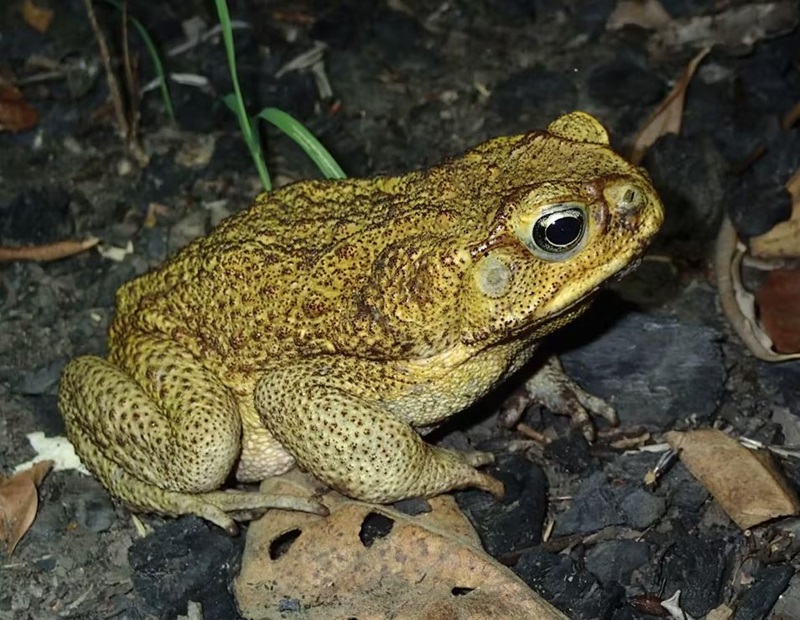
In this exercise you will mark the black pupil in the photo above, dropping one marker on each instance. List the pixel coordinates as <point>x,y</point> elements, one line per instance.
<point>564,231</point>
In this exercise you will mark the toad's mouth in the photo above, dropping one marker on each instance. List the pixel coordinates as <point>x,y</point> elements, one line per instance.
<point>632,266</point>
<point>585,299</point>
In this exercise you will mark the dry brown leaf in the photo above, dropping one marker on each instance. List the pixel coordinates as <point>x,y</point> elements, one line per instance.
<point>428,566</point>
<point>669,114</point>
<point>783,240</point>
<point>723,612</point>
<point>778,301</point>
<point>19,501</point>
<point>648,14</point>
<point>747,484</point>
<point>47,251</point>
<point>36,17</point>
<point>16,114</point>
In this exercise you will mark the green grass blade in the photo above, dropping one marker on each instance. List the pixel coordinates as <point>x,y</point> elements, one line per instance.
<point>235,101</point>
<point>306,140</point>
<point>151,49</point>
<point>251,139</point>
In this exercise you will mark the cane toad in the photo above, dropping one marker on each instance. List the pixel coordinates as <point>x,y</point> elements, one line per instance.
<point>325,323</point>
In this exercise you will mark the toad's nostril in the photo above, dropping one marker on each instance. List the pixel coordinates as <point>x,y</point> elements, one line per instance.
<point>626,199</point>
<point>631,201</point>
<point>630,196</point>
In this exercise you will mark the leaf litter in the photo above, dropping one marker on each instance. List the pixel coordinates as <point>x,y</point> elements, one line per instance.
<point>19,501</point>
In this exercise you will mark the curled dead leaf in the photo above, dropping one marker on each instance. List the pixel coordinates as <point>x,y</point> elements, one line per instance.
<point>19,501</point>
<point>369,561</point>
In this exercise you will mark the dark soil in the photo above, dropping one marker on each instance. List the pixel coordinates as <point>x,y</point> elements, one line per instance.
<point>411,82</point>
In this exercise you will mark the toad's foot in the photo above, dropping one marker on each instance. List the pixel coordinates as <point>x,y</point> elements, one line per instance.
<point>218,507</point>
<point>222,508</point>
<point>554,389</point>
<point>478,459</point>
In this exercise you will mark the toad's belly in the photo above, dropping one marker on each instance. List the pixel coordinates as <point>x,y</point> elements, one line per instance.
<point>262,456</point>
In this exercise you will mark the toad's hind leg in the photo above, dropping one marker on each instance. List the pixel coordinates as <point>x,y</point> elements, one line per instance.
<point>162,438</point>
<point>354,444</point>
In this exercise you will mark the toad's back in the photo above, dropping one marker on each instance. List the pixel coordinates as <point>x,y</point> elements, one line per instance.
<point>291,275</point>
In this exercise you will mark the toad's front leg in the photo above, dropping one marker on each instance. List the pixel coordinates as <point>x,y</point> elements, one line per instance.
<point>160,431</point>
<point>332,427</point>
<point>551,387</point>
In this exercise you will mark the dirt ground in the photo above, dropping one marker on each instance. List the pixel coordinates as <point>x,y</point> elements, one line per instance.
<point>410,82</point>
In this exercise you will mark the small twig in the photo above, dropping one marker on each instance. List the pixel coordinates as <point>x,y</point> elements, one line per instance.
<point>111,78</point>
<point>528,431</point>
<point>48,251</point>
<point>130,81</point>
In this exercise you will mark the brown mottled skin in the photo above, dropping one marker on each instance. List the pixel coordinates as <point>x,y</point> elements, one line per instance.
<point>325,322</point>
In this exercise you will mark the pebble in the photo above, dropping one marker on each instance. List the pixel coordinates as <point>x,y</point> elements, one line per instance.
<point>684,492</point>
<point>642,509</point>
<point>759,598</point>
<point>186,560</point>
<point>783,380</point>
<point>788,604</point>
<point>515,522</point>
<point>653,369</point>
<point>567,585</point>
<point>697,568</point>
<point>615,560</point>
<point>595,506</point>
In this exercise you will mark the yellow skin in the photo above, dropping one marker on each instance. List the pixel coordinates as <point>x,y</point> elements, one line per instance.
<point>327,321</point>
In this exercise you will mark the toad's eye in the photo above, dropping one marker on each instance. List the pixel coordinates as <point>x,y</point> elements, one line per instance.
<point>555,234</point>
